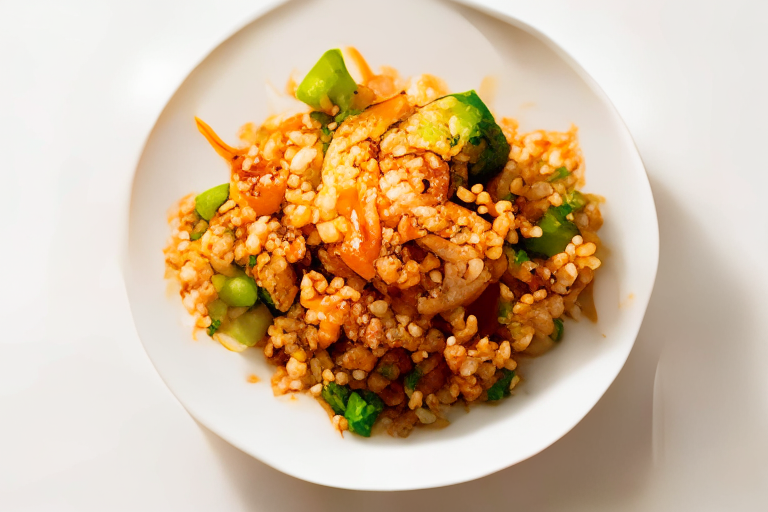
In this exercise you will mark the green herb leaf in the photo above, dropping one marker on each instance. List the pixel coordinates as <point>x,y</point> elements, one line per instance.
<point>345,114</point>
<point>412,379</point>
<point>337,397</point>
<point>215,324</point>
<point>362,411</point>
<point>557,334</point>
<point>560,173</point>
<point>500,388</point>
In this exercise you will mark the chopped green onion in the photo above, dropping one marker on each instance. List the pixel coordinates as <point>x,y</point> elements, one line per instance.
<point>509,197</point>
<point>560,173</point>
<point>557,334</point>
<point>345,114</point>
<point>322,118</point>
<point>361,412</point>
<point>267,300</point>
<point>389,371</point>
<point>336,396</point>
<point>411,380</point>
<point>213,327</point>
<point>521,257</point>
<point>198,230</point>
<point>504,310</point>
<point>575,200</point>
<point>500,388</point>
<point>208,202</point>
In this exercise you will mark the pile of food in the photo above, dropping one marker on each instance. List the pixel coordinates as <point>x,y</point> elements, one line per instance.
<point>392,252</point>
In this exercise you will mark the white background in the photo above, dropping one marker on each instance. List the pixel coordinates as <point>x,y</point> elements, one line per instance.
<point>87,425</point>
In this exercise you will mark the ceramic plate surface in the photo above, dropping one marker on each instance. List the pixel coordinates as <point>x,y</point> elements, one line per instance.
<point>538,84</point>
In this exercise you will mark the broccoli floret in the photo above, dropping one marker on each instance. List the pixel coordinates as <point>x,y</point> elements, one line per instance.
<point>463,121</point>
<point>500,388</point>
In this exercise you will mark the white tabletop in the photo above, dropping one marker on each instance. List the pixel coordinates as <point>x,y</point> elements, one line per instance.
<point>85,422</point>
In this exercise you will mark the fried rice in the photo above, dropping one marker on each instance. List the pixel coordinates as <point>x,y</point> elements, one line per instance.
<point>386,270</point>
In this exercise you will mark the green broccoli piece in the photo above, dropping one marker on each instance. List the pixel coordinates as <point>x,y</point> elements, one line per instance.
<point>500,388</point>
<point>462,120</point>
<point>362,411</point>
<point>336,396</point>
<point>557,334</point>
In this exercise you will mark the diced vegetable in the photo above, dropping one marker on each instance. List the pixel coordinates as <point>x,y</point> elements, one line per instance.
<point>239,291</point>
<point>198,230</point>
<point>362,411</point>
<point>267,300</point>
<point>229,342</point>
<point>411,380</point>
<point>250,327</point>
<point>340,117</point>
<point>509,197</point>
<point>500,388</point>
<point>461,123</point>
<point>389,371</point>
<point>575,200</point>
<point>251,260</point>
<point>328,83</point>
<point>557,334</point>
<point>321,117</point>
<point>560,173</point>
<point>213,327</point>
<point>219,280</point>
<point>557,233</point>
<point>337,397</point>
<point>217,310</point>
<point>504,311</point>
<point>515,257</point>
<point>207,203</point>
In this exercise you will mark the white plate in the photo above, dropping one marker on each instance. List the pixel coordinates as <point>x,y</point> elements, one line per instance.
<point>539,85</point>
